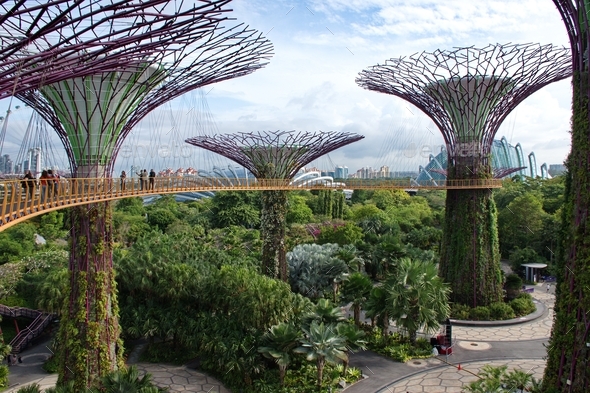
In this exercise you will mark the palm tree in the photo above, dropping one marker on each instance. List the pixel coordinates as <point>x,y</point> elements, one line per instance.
<point>416,297</point>
<point>128,381</point>
<point>324,312</point>
<point>323,345</point>
<point>356,290</point>
<point>279,342</point>
<point>354,340</point>
<point>377,309</point>
<point>518,381</point>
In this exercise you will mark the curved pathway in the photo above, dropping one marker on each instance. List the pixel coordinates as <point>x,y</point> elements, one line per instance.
<point>518,346</point>
<point>446,380</point>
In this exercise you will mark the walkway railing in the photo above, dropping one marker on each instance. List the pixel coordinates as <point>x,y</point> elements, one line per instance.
<point>40,321</point>
<point>21,199</point>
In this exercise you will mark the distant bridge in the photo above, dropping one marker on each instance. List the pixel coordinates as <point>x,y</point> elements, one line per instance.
<point>20,201</point>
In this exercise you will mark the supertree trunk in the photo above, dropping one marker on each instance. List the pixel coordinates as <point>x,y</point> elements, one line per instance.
<point>470,253</point>
<point>89,333</point>
<point>568,350</point>
<point>274,210</point>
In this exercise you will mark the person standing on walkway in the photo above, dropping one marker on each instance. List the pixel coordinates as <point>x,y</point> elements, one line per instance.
<point>123,177</point>
<point>152,179</point>
<point>43,180</point>
<point>28,183</point>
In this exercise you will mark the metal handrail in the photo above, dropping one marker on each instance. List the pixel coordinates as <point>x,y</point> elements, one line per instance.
<point>21,199</point>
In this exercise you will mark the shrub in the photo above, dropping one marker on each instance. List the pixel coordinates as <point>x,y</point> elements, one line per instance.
<point>51,365</point>
<point>3,376</point>
<point>525,295</point>
<point>501,311</point>
<point>480,313</point>
<point>513,286</point>
<point>460,311</point>
<point>33,388</point>
<point>522,306</point>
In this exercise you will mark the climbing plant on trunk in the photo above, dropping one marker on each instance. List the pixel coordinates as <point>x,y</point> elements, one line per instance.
<point>568,350</point>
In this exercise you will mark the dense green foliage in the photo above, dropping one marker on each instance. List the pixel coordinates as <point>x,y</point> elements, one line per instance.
<point>189,279</point>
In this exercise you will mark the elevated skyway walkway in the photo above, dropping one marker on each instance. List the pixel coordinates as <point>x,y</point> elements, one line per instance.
<point>19,202</point>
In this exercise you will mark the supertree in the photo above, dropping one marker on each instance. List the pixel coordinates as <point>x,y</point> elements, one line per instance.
<point>468,92</point>
<point>92,115</point>
<point>277,155</point>
<point>43,43</point>
<point>569,349</point>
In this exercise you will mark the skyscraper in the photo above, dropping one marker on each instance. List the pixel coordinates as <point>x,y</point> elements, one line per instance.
<point>35,160</point>
<point>341,172</point>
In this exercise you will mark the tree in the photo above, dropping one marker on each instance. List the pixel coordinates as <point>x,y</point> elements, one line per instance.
<point>356,290</point>
<point>133,206</point>
<point>161,218</point>
<point>321,343</point>
<point>235,208</point>
<point>298,211</point>
<point>377,308</point>
<point>354,338</point>
<point>54,291</point>
<point>416,297</point>
<point>518,256</point>
<point>521,223</point>
<point>279,342</point>
<point>323,312</point>
<point>340,234</point>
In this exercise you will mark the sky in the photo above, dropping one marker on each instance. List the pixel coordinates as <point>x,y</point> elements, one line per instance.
<point>320,46</point>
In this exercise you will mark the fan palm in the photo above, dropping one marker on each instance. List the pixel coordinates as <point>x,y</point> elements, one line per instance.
<point>324,312</point>
<point>323,345</point>
<point>377,309</point>
<point>416,298</point>
<point>127,381</point>
<point>279,342</point>
<point>356,290</point>
<point>354,341</point>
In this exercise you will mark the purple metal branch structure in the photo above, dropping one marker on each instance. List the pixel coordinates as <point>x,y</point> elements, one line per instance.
<point>274,155</point>
<point>190,49</point>
<point>468,92</point>
<point>46,43</point>
<point>286,151</point>
<point>155,52</point>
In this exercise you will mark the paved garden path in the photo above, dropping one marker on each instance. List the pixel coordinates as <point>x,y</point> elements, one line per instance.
<point>518,346</point>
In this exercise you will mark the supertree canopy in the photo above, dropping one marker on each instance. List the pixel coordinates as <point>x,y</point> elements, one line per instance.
<point>568,350</point>
<point>48,42</point>
<point>186,48</point>
<point>274,155</point>
<point>93,122</point>
<point>468,92</point>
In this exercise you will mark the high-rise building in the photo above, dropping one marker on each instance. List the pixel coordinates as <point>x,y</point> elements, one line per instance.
<point>34,161</point>
<point>341,172</point>
<point>6,164</point>
<point>384,172</point>
<point>556,169</point>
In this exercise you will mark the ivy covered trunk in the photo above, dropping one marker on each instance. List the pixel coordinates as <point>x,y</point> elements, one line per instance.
<point>470,253</point>
<point>89,332</point>
<point>568,368</point>
<point>274,254</point>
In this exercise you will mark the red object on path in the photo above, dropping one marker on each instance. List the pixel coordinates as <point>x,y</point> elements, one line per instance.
<point>459,366</point>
